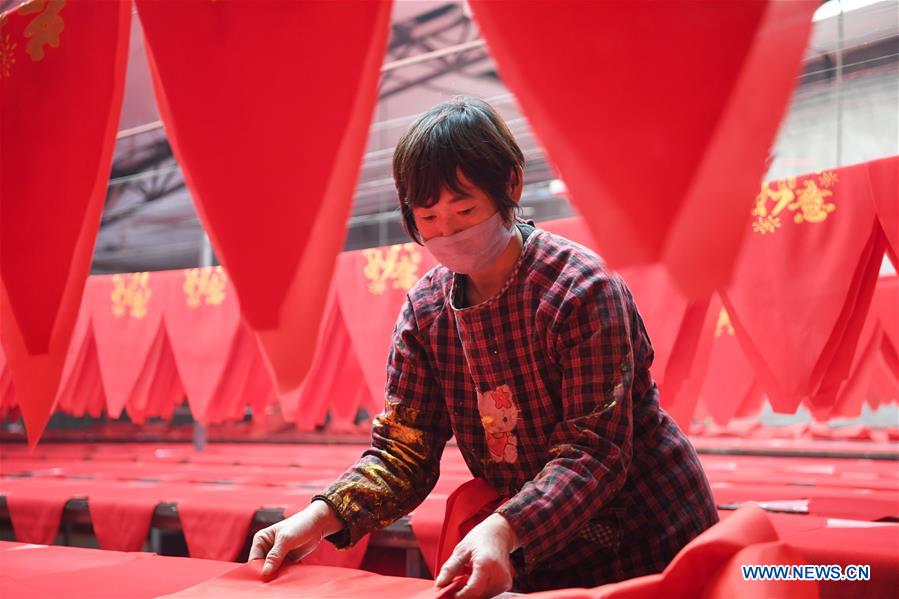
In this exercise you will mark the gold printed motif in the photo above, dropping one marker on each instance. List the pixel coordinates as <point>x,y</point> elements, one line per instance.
<point>45,28</point>
<point>397,265</point>
<point>724,326</point>
<point>7,51</point>
<point>808,202</point>
<point>204,285</point>
<point>130,294</point>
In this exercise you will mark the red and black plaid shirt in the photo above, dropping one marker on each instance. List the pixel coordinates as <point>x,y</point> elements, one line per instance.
<point>546,387</point>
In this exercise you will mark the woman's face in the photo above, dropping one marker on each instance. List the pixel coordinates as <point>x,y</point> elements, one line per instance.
<point>454,212</point>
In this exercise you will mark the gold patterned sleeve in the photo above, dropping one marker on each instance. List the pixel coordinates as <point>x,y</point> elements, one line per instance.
<point>402,465</point>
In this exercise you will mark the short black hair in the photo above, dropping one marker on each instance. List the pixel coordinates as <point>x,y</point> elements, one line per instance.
<point>464,135</point>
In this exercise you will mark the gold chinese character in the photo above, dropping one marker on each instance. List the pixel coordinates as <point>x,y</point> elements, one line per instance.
<point>398,265</point>
<point>130,294</point>
<point>204,285</point>
<point>45,28</point>
<point>809,203</point>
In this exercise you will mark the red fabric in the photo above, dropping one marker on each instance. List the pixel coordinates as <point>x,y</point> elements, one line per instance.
<point>279,252</point>
<point>885,192</point>
<point>371,287</point>
<point>36,505</point>
<point>202,318</point>
<point>126,317</point>
<point>158,391</point>
<point>308,581</point>
<point>783,270</point>
<point>38,311</point>
<point>729,384</point>
<point>606,127</point>
<point>709,566</point>
<point>827,541</point>
<point>335,383</point>
<point>31,572</point>
<point>465,508</point>
<point>81,391</point>
<point>688,363</point>
<point>120,525</point>
<point>35,514</point>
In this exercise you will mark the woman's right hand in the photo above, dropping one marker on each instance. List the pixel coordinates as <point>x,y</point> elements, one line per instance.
<point>294,538</point>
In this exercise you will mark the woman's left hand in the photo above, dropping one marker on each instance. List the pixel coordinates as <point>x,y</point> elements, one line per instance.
<point>484,552</point>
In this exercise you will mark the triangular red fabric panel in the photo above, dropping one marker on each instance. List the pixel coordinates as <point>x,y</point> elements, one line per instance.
<point>688,361</point>
<point>158,387</point>
<point>121,525</point>
<point>83,393</point>
<point>37,312</point>
<point>307,406</point>
<point>884,176</point>
<point>202,318</point>
<point>804,273</point>
<point>729,379</point>
<point>35,507</point>
<point>215,530</point>
<point>371,288</point>
<point>126,315</point>
<point>883,317</point>
<point>53,49</point>
<point>607,128</point>
<point>228,403</point>
<point>310,125</point>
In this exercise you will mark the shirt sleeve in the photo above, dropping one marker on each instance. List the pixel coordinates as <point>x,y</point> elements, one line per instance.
<point>402,465</point>
<point>591,447</point>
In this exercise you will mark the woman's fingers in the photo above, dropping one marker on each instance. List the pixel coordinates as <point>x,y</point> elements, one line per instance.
<point>274,558</point>
<point>262,541</point>
<point>457,564</point>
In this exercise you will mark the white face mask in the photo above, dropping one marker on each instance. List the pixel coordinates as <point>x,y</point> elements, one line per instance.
<point>475,248</point>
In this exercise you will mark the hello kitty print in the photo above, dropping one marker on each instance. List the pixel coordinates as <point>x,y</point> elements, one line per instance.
<point>499,415</point>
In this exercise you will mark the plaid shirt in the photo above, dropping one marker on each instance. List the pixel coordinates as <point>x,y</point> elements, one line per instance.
<point>547,389</point>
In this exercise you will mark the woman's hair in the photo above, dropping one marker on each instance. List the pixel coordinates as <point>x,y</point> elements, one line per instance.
<point>462,135</point>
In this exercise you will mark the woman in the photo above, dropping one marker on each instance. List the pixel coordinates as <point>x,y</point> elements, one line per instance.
<point>527,349</point>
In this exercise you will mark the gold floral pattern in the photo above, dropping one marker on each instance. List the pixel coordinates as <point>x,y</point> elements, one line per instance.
<point>204,285</point>
<point>398,265</point>
<point>131,294</point>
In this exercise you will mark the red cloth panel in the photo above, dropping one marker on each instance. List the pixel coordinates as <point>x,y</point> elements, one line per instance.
<point>709,566</point>
<point>34,572</point>
<point>803,282</point>
<point>885,189</point>
<point>41,281</point>
<point>606,127</point>
<point>729,383</point>
<point>279,250</point>
<point>308,581</point>
<point>121,519</point>
<point>202,317</point>
<point>335,384</point>
<point>371,286</point>
<point>126,317</point>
